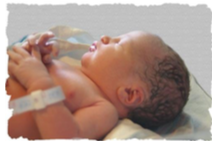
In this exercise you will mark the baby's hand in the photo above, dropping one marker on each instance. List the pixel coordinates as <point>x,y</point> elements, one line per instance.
<point>26,67</point>
<point>41,41</point>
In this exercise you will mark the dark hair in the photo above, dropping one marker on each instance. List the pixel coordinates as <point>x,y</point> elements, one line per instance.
<point>169,89</point>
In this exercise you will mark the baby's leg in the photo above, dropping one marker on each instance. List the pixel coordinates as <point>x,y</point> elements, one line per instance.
<point>22,124</point>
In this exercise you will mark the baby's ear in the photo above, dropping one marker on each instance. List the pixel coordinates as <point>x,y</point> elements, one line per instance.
<point>131,97</point>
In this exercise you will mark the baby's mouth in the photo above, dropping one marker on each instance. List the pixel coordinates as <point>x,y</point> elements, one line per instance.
<point>93,47</point>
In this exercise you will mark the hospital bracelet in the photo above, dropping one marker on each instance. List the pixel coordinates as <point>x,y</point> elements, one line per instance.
<point>37,100</point>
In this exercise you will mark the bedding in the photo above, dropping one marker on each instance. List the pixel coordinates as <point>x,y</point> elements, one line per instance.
<point>193,123</point>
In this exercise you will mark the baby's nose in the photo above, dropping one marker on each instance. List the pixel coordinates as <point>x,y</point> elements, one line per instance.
<point>105,39</point>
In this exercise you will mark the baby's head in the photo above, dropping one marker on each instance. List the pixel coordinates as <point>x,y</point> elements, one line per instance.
<point>143,77</point>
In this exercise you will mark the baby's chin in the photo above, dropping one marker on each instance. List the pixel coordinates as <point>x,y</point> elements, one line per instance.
<point>86,58</point>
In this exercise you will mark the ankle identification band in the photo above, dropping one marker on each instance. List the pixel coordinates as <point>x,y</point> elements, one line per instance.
<point>37,100</point>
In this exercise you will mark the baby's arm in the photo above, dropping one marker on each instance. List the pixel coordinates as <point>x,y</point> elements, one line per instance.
<point>56,121</point>
<point>92,122</point>
<point>97,120</point>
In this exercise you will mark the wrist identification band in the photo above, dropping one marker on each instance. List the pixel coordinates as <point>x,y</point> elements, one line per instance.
<point>37,100</point>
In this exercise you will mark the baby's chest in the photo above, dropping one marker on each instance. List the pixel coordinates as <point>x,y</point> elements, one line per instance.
<point>77,90</point>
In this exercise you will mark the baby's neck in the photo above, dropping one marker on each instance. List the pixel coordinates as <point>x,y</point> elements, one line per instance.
<point>107,94</point>
<point>95,86</point>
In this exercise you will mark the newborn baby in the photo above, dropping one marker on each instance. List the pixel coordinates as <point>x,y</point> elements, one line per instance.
<point>135,76</point>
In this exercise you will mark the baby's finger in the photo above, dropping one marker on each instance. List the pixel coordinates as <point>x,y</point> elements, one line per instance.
<point>21,51</point>
<point>51,47</point>
<point>14,56</point>
<point>47,59</point>
<point>36,52</point>
<point>44,38</point>
<point>47,49</point>
<point>26,46</point>
<point>32,40</point>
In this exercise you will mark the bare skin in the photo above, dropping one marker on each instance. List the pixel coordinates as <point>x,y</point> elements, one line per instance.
<point>23,124</point>
<point>93,102</point>
<point>70,79</point>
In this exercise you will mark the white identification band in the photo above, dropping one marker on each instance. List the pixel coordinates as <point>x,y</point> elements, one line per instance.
<point>37,100</point>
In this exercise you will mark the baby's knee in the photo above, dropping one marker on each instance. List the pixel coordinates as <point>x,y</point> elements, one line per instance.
<point>23,125</point>
<point>14,88</point>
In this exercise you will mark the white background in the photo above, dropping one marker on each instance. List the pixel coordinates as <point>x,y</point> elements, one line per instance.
<point>4,16</point>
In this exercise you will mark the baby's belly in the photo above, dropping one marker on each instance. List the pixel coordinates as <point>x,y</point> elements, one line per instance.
<point>76,87</point>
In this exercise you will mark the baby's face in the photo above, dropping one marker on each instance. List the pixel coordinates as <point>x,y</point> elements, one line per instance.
<point>111,58</point>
